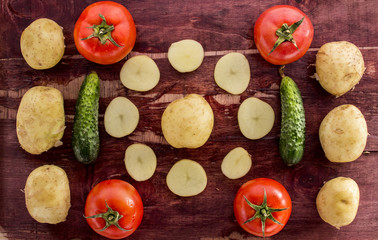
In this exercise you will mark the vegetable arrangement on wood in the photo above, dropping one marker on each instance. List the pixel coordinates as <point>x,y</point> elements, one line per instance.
<point>105,34</point>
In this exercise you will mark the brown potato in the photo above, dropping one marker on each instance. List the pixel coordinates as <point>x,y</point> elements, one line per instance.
<point>337,201</point>
<point>47,194</point>
<point>42,44</point>
<point>187,122</point>
<point>40,119</point>
<point>343,134</point>
<point>339,67</point>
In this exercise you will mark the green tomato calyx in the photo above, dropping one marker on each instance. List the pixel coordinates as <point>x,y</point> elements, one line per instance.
<point>263,212</point>
<point>285,33</point>
<point>111,217</point>
<point>103,32</point>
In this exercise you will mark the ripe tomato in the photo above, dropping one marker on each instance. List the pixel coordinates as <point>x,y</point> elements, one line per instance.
<point>114,209</point>
<point>286,30</point>
<point>262,207</point>
<point>105,32</point>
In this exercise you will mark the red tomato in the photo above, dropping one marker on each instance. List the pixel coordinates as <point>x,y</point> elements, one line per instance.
<point>258,216</point>
<point>265,34</point>
<point>105,32</point>
<point>109,200</point>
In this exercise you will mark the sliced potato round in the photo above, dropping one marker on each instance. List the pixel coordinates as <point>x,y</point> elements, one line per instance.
<point>140,161</point>
<point>187,122</point>
<point>343,134</point>
<point>47,194</point>
<point>42,44</point>
<point>186,178</point>
<point>255,117</point>
<point>121,117</point>
<point>186,55</point>
<point>232,73</point>
<point>236,163</point>
<point>140,73</point>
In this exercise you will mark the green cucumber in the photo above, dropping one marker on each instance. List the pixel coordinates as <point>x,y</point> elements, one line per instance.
<point>85,134</point>
<point>293,123</point>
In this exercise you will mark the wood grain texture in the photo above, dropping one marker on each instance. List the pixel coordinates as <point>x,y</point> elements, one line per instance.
<point>221,27</point>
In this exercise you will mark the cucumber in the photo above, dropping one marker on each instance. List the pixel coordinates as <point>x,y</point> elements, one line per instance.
<point>85,134</point>
<point>293,123</point>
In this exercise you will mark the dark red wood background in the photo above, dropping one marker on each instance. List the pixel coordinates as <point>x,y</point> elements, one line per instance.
<point>221,26</point>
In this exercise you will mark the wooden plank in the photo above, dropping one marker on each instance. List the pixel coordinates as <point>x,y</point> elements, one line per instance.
<point>221,26</point>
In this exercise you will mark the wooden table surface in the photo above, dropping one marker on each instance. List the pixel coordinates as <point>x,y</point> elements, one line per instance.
<point>221,26</point>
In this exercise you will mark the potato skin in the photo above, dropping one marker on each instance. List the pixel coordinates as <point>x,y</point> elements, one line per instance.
<point>337,201</point>
<point>40,119</point>
<point>187,122</point>
<point>339,66</point>
<point>47,194</point>
<point>343,134</point>
<point>42,44</point>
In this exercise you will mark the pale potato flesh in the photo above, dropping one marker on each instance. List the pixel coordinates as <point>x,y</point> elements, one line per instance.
<point>186,55</point>
<point>236,163</point>
<point>343,134</point>
<point>140,161</point>
<point>121,117</point>
<point>42,44</point>
<point>187,122</point>
<point>255,118</point>
<point>339,67</point>
<point>47,194</point>
<point>40,119</point>
<point>232,73</point>
<point>337,201</point>
<point>186,178</point>
<point>140,73</point>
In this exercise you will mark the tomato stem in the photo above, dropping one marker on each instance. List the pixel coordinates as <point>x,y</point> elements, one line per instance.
<point>263,212</point>
<point>103,32</point>
<point>285,33</point>
<point>111,217</point>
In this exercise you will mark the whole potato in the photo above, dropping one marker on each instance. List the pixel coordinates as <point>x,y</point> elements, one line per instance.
<point>47,194</point>
<point>337,201</point>
<point>339,67</point>
<point>40,119</point>
<point>187,122</point>
<point>42,44</point>
<point>343,134</point>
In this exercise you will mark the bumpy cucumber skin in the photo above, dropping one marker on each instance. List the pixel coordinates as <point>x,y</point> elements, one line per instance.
<point>293,123</point>
<point>85,135</point>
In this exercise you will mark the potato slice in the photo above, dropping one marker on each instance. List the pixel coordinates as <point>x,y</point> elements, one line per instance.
<point>337,201</point>
<point>187,122</point>
<point>140,161</point>
<point>121,117</point>
<point>343,134</point>
<point>255,117</point>
<point>232,73</point>
<point>40,119</point>
<point>140,73</point>
<point>186,178</point>
<point>236,163</point>
<point>186,55</point>
<point>47,194</point>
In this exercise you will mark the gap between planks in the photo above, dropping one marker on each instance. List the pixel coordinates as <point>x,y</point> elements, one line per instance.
<point>164,55</point>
